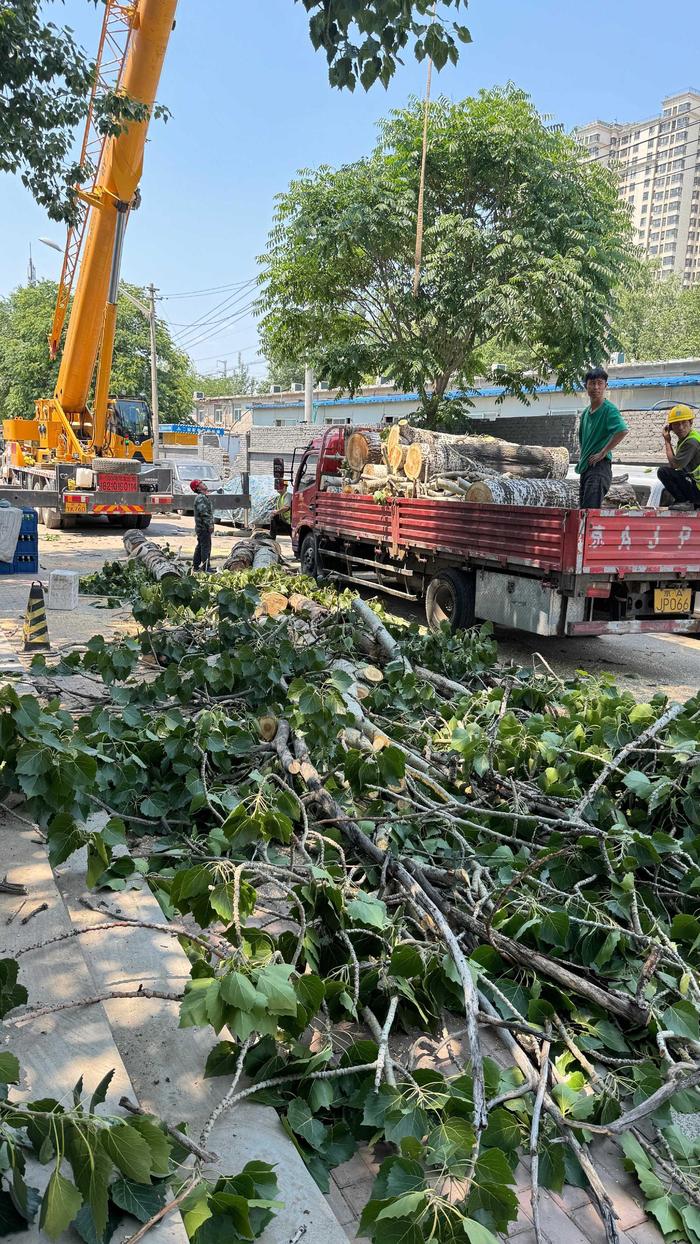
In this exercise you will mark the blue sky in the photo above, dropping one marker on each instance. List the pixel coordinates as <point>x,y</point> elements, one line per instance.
<point>251,104</point>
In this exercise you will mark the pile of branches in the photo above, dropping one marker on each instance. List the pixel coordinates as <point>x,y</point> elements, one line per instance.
<point>385,844</point>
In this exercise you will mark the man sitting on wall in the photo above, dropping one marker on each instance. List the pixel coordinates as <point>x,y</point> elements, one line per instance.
<point>681,478</point>
<point>601,428</point>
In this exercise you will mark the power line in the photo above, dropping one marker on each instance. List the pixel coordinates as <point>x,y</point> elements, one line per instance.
<point>207,316</point>
<point>201,293</point>
<point>238,315</point>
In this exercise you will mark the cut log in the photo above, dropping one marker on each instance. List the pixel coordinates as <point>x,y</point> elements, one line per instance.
<point>241,555</point>
<point>427,458</point>
<point>363,447</point>
<point>396,455</point>
<point>548,492</point>
<point>148,552</point>
<point>375,470</point>
<point>266,553</point>
<point>271,605</point>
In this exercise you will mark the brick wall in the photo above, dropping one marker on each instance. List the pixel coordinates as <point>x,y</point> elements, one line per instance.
<point>643,442</point>
<point>266,444</point>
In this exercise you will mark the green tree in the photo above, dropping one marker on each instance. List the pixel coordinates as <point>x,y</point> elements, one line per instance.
<point>524,243</point>
<point>658,319</point>
<point>45,78</point>
<point>240,380</point>
<point>26,371</point>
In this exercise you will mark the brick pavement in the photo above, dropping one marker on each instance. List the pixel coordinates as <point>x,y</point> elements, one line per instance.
<point>569,1218</point>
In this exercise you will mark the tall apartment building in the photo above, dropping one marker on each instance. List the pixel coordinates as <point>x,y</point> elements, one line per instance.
<point>658,162</point>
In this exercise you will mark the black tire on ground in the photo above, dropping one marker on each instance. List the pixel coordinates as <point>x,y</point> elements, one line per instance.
<point>451,598</point>
<point>143,521</point>
<point>308,556</point>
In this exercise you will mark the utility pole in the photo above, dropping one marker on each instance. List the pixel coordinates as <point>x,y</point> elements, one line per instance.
<point>154,372</point>
<point>31,270</point>
<point>308,394</point>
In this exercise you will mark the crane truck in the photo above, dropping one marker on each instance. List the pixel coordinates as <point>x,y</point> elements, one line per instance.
<point>94,459</point>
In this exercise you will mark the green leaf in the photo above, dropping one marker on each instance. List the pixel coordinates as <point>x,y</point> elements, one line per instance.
<point>638,783</point>
<point>129,1151</point>
<point>682,1019</point>
<point>157,1142</point>
<point>476,1233</point>
<point>302,1121</point>
<point>139,1200</point>
<point>9,1068</point>
<point>502,1131</point>
<point>11,994</point>
<point>100,1092</point>
<point>279,994</point>
<point>366,909</point>
<point>238,991</point>
<point>554,928</point>
<point>404,1206</point>
<point>667,1217</point>
<point>59,1205</point>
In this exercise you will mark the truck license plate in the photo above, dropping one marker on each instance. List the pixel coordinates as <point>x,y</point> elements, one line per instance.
<point>672,600</point>
<point>76,507</point>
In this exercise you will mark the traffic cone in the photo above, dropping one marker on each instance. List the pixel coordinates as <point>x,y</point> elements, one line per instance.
<point>36,627</point>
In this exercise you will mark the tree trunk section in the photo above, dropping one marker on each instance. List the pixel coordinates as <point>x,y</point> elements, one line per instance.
<point>266,553</point>
<point>241,555</point>
<point>427,458</point>
<point>363,447</point>
<point>547,492</point>
<point>147,552</point>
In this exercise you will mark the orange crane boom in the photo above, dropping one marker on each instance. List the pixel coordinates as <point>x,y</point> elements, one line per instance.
<point>93,314</point>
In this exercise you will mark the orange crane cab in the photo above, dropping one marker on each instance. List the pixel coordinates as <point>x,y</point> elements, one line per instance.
<point>69,442</point>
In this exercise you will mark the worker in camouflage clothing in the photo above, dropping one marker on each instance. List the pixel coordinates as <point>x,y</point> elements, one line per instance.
<point>203,525</point>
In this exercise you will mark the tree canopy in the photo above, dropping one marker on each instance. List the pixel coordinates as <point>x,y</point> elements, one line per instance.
<point>659,319</point>
<point>45,77</point>
<point>524,243</point>
<point>26,371</point>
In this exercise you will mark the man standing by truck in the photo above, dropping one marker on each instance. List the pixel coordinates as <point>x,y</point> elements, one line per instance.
<point>203,525</point>
<point>682,475</point>
<point>600,430</point>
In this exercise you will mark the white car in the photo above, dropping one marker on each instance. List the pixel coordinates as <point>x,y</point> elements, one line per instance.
<point>184,471</point>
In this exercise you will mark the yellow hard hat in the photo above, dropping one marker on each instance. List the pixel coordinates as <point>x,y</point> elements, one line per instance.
<point>679,413</point>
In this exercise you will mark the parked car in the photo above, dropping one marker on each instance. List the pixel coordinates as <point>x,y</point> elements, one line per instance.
<point>184,471</point>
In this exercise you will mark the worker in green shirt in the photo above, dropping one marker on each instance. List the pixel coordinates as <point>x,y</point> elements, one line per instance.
<point>681,478</point>
<point>601,428</point>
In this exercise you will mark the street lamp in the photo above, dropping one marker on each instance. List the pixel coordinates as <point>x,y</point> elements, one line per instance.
<point>150,313</point>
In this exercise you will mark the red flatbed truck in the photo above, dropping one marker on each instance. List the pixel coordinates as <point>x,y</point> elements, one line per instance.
<point>546,570</point>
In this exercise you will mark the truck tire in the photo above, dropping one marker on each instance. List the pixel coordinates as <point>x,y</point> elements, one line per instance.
<point>143,521</point>
<point>308,556</point>
<point>451,598</point>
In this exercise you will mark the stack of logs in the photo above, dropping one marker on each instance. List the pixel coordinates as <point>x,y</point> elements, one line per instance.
<point>416,462</point>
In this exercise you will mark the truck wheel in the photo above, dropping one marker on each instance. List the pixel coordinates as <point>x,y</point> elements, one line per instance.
<point>308,556</point>
<point>450,598</point>
<point>143,521</point>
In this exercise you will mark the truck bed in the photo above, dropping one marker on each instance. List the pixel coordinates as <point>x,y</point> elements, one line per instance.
<point>549,540</point>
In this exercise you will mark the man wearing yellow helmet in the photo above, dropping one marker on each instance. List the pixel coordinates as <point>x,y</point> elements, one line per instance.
<point>681,478</point>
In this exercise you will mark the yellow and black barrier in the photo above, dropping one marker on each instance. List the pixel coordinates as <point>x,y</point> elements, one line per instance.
<point>36,627</point>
